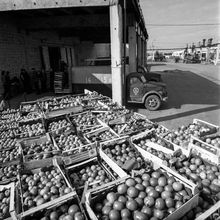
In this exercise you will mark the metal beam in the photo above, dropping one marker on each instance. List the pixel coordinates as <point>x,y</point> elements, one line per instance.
<point>9,5</point>
<point>65,21</point>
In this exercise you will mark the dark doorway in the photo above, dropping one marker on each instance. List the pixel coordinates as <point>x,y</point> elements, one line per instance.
<point>54,55</point>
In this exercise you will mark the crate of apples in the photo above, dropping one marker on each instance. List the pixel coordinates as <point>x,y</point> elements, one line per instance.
<point>57,123</point>
<point>84,120</point>
<point>38,148</point>
<point>68,209</point>
<point>7,134</point>
<point>27,107</point>
<point>121,152</point>
<point>41,185</point>
<point>30,129</point>
<point>102,134</point>
<point>10,154</point>
<point>6,143</point>
<point>152,195</point>
<point>8,126</point>
<point>7,198</point>
<point>9,172</point>
<point>32,116</point>
<point>92,171</point>
<point>69,141</point>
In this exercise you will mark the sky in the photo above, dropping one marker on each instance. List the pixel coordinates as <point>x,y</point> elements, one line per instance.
<point>180,12</point>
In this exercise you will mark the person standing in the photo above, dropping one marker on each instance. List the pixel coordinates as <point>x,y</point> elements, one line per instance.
<point>7,86</point>
<point>3,74</point>
<point>25,79</point>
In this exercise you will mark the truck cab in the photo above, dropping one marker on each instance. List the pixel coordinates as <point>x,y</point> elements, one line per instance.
<point>140,89</point>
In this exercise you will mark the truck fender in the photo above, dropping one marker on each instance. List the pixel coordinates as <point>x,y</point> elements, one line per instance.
<point>151,93</point>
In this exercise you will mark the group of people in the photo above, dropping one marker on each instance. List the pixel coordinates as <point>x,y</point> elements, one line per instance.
<point>34,80</point>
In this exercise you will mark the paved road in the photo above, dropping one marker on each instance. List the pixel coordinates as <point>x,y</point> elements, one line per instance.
<point>194,92</point>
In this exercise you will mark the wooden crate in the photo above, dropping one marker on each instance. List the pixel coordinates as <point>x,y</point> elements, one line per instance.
<point>11,179</point>
<point>99,160</point>
<point>128,165</point>
<point>11,187</point>
<point>24,112</point>
<point>210,153</point>
<point>79,154</point>
<point>208,213</point>
<point>97,132</point>
<point>35,167</point>
<point>99,193</point>
<point>37,141</point>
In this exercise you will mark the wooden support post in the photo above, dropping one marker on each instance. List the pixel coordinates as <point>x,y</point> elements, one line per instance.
<point>132,40</point>
<point>116,52</point>
<point>139,50</point>
<point>145,52</point>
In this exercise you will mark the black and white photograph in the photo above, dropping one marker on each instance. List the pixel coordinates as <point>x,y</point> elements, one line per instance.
<point>109,110</point>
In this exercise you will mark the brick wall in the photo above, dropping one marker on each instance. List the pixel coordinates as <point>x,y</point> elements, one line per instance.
<point>20,49</point>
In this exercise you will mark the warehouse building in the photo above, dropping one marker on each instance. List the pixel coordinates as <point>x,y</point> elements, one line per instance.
<point>87,35</point>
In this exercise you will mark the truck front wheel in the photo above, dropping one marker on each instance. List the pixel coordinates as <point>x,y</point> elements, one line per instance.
<point>152,102</point>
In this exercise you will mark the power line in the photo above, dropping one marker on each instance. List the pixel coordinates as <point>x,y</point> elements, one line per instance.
<point>180,25</point>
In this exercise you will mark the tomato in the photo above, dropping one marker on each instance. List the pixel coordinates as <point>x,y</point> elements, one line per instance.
<point>171,180</point>
<point>149,188</point>
<point>140,216</point>
<point>177,186</point>
<point>106,209</point>
<point>159,189</point>
<point>149,201</point>
<point>178,204</point>
<point>53,215</point>
<point>118,205</point>
<point>158,214</point>
<point>111,197</point>
<point>98,207</point>
<point>142,195</point>
<point>168,188</point>
<point>140,187</point>
<point>153,181</point>
<point>73,209</point>
<point>130,182</point>
<point>162,181</point>
<point>140,202</point>
<point>114,215</point>
<point>145,177</point>
<point>166,194</point>
<point>122,189</point>
<point>138,179</point>
<point>145,183</point>
<point>153,193</point>
<point>132,192</point>
<point>125,213</point>
<point>147,210</point>
<point>159,203</point>
<point>79,216</point>
<point>132,205</point>
<point>171,210</point>
<point>68,217</point>
<point>169,202</point>
<point>122,199</point>
<point>155,174</point>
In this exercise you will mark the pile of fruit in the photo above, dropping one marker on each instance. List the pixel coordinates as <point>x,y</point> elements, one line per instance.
<point>10,154</point>
<point>101,135</point>
<point>84,147</point>
<point>6,143</point>
<point>69,141</point>
<point>10,171</point>
<point>56,125</point>
<point>5,203</point>
<point>36,151</point>
<point>66,211</point>
<point>94,174</point>
<point>29,108</point>
<point>41,187</point>
<point>30,130</point>
<point>124,155</point>
<point>149,196</point>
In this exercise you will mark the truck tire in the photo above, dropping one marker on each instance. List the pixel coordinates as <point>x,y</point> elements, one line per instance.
<point>152,102</point>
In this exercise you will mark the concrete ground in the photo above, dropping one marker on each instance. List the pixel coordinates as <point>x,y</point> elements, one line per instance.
<point>193,92</point>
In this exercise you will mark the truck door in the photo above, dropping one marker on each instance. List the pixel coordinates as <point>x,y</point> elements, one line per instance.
<point>136,89</point>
